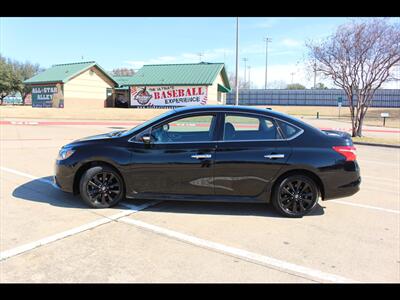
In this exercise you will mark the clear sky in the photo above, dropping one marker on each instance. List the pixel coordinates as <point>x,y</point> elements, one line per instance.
<point>131,42</point>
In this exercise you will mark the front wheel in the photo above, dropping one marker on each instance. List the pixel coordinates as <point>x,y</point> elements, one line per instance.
<point>101,187</point>
<point>295,196</point>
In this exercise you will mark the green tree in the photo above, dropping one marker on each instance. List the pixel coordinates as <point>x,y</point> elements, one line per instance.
<point>295,86</point>
<point>9,81</point>
<point>320,86</point>
<point>24,71</point>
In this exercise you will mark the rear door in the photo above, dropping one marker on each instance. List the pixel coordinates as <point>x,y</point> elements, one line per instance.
<point>250,154</point>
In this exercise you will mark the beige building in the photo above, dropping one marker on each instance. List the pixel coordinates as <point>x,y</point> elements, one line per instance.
<point>171,85</point>
<point>84,85</point>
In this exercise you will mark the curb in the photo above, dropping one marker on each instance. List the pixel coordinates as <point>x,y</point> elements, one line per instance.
<point>377,145</point>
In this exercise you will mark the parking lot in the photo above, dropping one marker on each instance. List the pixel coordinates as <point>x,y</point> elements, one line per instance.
<point>50,236</point>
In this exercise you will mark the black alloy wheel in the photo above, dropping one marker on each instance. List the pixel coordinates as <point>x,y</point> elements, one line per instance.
<point>296,196</point>
<point>101,187</point>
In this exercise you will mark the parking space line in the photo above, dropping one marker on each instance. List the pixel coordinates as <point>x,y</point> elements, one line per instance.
<point>27,247</point>
<point>25,175</point>
<point>366,206</point>
<point>280,265</point>
<point>372,188</point>
<point>385,180</point>
<point>376,162</point>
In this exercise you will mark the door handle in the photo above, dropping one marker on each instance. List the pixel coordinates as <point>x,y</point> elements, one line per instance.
<point>200,156</point>
<point>274,156</point>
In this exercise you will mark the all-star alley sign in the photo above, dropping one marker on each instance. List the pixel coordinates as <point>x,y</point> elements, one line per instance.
<point>43,96</point>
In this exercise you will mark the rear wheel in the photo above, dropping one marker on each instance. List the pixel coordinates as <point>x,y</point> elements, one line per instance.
<point>101,187</point>
<point>295,196</point>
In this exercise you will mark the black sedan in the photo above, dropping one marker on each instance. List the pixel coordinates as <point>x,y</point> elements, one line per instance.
<point>213,153</point>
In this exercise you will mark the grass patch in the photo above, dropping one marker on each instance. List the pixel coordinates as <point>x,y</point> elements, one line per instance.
<point>374,140</point>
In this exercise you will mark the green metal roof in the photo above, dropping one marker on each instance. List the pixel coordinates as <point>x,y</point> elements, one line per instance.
<point>123,80</point>
<point>179,74</point>
<point>64,72</point>
<point>223,89</point>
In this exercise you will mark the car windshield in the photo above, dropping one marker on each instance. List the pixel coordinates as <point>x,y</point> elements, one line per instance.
<point>144,124</point>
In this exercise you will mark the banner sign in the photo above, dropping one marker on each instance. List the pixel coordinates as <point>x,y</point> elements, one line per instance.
<point>168,95</point>
<point>47,96</point>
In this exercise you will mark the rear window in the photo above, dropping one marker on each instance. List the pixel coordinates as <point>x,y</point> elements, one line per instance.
<point>288,130</point>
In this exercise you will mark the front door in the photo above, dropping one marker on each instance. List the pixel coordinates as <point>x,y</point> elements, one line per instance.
<point>179,159</point>
<point>249,156</point>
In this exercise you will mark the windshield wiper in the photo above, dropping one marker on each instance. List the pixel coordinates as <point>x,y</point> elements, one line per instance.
<point>116,133</point>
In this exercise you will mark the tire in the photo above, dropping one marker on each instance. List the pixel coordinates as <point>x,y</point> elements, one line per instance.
<point>286,202</point>
<point>101,187</point>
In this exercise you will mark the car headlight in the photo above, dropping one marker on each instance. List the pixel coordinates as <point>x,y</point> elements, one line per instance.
<point>64,154</point>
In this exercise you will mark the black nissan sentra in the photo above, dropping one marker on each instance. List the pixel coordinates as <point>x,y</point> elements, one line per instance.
<point>213,153</point>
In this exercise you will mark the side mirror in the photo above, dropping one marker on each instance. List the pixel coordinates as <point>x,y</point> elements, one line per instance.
<point>166,127</point>
<point>146,139</point>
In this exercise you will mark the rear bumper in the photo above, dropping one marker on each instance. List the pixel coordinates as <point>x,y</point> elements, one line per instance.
<point>344,183</point>
<point>344,191</point>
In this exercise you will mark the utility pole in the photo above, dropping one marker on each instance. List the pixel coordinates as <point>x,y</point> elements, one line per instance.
<point>237,62</point>
<point>200,55</point>
<point>267,40</point>
<point>292,76</point>
<point>249,67</point>
<point>245,59</point>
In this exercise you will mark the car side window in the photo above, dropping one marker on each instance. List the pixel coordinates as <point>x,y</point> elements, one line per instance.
<point>288,130</point>
<point>199,128</point>
<point>249,127</point>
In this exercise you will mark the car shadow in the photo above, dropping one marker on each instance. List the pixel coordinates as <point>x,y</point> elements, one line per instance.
<point>41,190</point>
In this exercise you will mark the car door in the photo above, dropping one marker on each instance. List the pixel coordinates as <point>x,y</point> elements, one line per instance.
<point>178,160</point>
<point>249,155</point>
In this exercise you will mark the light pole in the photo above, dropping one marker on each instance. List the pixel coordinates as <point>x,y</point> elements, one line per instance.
<point>267,40</point>
<point>292,76</point>
<point>245,59</point>
<point>200,55</point>
<point>237,62</point>
<point>249,67</point>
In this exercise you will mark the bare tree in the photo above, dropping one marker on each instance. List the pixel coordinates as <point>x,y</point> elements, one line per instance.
<point>359,57</point>
<point>241,83</point>
<point>123,72</point>
<point>278,84</point>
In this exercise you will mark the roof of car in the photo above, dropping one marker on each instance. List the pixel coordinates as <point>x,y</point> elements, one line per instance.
<point>241,108</point>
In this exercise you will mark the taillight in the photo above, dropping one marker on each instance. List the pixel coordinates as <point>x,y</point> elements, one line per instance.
<point>347,151</point>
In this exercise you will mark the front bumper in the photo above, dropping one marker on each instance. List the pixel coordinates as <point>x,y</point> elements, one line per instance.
<point>63,178</point>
